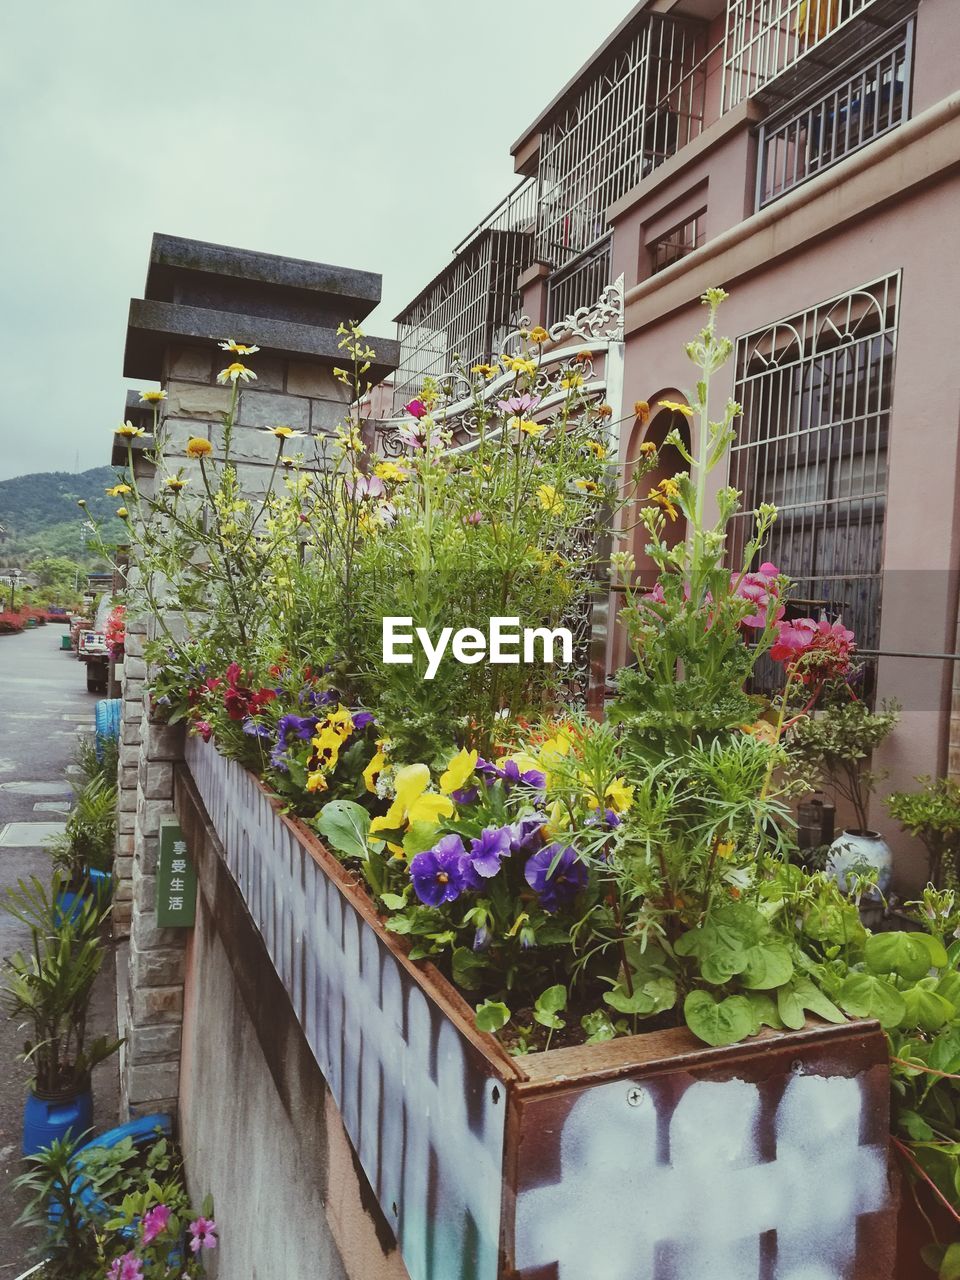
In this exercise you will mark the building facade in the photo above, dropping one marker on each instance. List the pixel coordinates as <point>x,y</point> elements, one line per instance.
<point>803,154</point>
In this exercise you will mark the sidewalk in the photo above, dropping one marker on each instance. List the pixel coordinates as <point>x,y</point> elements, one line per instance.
<point>43,706</point>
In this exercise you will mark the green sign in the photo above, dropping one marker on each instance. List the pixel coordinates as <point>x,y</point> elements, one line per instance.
<point>176,879</point>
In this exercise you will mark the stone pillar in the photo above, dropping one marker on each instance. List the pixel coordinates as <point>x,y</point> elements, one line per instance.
<point>195,294</point>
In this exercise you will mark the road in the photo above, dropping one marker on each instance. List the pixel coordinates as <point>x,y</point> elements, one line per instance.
<point>44,704</point>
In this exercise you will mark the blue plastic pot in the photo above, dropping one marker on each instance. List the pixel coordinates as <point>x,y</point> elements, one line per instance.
<point>47,1119</point>
<point>99,887</point>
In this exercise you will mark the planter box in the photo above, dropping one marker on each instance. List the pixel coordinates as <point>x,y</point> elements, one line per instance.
<point>652,1156</point>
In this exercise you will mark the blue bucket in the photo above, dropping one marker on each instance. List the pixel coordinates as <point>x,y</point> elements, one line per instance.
<point>45,1120</point>
<point>107,720</point>
<point>99,887</point>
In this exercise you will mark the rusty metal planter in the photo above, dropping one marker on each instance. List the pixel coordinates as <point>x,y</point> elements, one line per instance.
<point>649,1158</point>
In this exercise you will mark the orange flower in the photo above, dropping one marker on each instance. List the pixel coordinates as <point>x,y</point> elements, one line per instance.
<point>642,411</point>
<point>198,447</point>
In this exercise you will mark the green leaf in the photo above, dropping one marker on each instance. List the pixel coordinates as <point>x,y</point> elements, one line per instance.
<point>345,825</point>
<point>949,988</point>
<point>420,837</point>
<point>866,996</point>
<point>764,1011</point>
<point>938,952</point>
<point>718,1023</point>
<point>925,1009</point>
<point>768,965</point>
<point>800,995</point>
<point>598,1027</point>
<point>393,901</point>
<point>901,953</point>
<point>915,1126</point>
<point>468,968</point>
<point>549,1005</point>
<point>492,1015</point>
<point>950,1266</point>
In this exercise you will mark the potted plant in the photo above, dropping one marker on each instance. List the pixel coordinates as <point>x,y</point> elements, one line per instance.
<point>49,989</point>
<point>836,742</point>
<point>932,813</point>
<point>83,852</point>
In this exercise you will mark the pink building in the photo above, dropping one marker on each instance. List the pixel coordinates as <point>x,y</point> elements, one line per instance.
<point>803,154</point>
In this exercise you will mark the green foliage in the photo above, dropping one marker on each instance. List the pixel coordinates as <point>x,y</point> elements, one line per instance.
<point>42,519</point>
<point>87,842</point>
<point>837,740</point>
<point>932,813</point>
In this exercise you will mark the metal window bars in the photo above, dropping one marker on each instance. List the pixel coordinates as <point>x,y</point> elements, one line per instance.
<point>645,103</point>
<point>677,242</point>
<point>868,97</point>
<point>816,391</point>
<point>469,306</point>
<point>579,283</point>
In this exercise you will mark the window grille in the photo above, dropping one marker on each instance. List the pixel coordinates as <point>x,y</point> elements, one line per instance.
<point>816,392</point>
<point>580,283</point>
<point>644,104</point>
<point>677,242</point>
<point>471,306</point>
<point>867,98</point>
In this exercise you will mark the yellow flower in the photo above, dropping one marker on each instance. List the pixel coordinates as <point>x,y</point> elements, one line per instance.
<point>175,483</point>
<point>129,431</point>
<point>412,801</point>
<point>389,471</point>
<point>374,769</point>
<point>152,397</point>
<point>762,730</point>
<point>81,502</point>
<point>198,447</point>
<point>619,796</point>
<point>571,380</point>
<point>663,494</point>
<point>597,448</point>
<point>723,847</point>
<point>641,410</point>
<point>587,486</point>
<point>677,408</point>
<point>282,433</point>
<point>520,365</point>
<point>118,490</point>
<point>316,781</point>
<point>558,820</point>
<point>549,499</point>
<point>326,746</point>
<point>648,448</point>
<point>487,371</point>
<point>458,770</point>
<point>238,348</point>
<point>539,335</point>
<point>526,426</point>
<point>340,720</point>
<point>235,371</point>
<point>122,512</point>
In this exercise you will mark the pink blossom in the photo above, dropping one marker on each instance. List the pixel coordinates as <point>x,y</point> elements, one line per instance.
<point>364,487</point>
<point>821,650</point>
<point>204,729</point>
<point>474,518</point>
<point>519,405</point>
<point>155,1222</point>
<point>761,588</point>
<point>203,1231</point>
<point>412,434</point>
<point>792,638</point>
<point>416,408</point>
<point>127,1267</point>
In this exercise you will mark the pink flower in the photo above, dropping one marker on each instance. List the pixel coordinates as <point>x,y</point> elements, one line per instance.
<point>819,650</point>
<point>128,1267</point>
<point>204,729</point>
<point>365,487</point>
<point>762,589</point>
<point>474,518</point>
<point>416,408</point>
<point>792,638</point>
<point>155,1222</point>
<point>412,434</point>
<point>204,1234</point>
<point>519,405</point>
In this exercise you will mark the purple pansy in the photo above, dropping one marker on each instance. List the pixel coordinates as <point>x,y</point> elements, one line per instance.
<point>362,719</point>
<point>532,777</point>
<point>440,874</point>
<point>253,729</point>
<point>465,795</point>
<point>482,938</point>
<point>526,836</point>
<point>294,726</point>
<point>558,887</point>
<point>486,851</point>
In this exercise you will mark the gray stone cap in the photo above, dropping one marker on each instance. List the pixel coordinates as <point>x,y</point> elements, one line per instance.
<point>217,275</point>
<point>153,325</point>
<point>140,444</point>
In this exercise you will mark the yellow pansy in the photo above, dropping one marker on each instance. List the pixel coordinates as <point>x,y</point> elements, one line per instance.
<point>412,802</point>
<point>316,781</point>
<point>723,847</point>
<point>340,720</point>
<point>374,769</point>
<point>327,746</point>
<point>458,770</point>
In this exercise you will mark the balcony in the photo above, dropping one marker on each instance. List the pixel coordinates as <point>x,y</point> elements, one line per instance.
<point>776,49</point>
<point>469,307</point>
<point>866,98</point>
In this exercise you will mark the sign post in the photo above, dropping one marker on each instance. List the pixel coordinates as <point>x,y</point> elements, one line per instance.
<point>176,879</point>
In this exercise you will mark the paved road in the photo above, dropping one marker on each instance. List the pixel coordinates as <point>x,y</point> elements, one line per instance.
<point>43,706</point>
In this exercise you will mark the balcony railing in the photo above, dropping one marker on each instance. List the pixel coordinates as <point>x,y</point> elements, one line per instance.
<point>472,304</point>
<point>867,98</point>
<point>769,41</point>
<point>642,106</point>
<point>579,283</point>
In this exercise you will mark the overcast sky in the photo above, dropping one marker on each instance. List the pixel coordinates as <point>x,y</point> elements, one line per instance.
<point>372,134</point>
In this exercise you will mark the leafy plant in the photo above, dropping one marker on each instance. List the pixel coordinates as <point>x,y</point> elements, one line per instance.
<point>837,741</point>
<point>932,813</point>
<point>87,842</point>
<point>49,988</point>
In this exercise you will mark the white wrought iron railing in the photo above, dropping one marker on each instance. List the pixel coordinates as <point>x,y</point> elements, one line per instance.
<point>866,98</point>
<point>642,106</point>
<point>471,305</point>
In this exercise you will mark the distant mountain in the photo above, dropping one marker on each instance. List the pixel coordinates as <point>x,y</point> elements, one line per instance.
<point>39,513</point>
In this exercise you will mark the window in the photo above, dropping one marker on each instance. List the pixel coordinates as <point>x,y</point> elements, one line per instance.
<point>677,242</point>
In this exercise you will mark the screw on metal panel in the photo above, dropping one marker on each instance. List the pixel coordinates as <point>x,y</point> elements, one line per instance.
<point>635,1096</point>
<point>797,1067</point>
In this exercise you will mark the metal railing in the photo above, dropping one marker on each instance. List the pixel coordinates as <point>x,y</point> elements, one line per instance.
<point>817,391</point>
<point>842,113</point>
<point>642,106</point>
<point>472,303</point>
<point>677,242</point>
<point>579,283</point>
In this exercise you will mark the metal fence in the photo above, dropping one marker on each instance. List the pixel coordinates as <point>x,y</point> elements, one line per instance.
<point>643,105</point>
<point>579,283</point>
<point>866,98</point>
<point>816,391</point>
<point>470,306</point>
